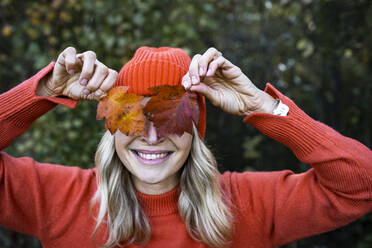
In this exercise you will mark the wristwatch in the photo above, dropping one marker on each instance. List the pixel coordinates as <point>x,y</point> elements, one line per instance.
<point>281,109</point>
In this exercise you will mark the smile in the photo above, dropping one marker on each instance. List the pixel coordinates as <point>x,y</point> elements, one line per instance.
<point>151,157</point>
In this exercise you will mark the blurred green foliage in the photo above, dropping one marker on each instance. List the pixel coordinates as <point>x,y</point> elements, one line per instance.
<point>316,52</point>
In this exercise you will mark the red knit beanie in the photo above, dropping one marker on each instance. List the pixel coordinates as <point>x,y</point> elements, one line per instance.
<point>151,67</point>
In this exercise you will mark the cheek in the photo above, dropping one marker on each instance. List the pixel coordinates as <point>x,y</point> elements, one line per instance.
<point>122,154</point>
<point>183,144</point>
<point>121,147</point>
<point>179,161</point>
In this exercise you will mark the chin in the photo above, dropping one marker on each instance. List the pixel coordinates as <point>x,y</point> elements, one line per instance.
<point>150,179</point>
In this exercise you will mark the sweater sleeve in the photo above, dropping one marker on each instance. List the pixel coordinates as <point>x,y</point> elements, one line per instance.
<point>335,191</point>
<point>23,180</point>
<point>21,106</point>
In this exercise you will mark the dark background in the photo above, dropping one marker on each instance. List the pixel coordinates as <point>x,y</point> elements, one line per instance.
<point>316,52</point>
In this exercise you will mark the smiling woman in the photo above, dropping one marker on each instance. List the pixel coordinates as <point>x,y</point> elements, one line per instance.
<point>156,183</point>
<point>153,164</point>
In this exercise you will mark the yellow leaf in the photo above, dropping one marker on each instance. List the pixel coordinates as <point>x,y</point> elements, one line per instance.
<point>7,29</point>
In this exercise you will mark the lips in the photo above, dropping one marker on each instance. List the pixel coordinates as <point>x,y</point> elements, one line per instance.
<point>151,157</point>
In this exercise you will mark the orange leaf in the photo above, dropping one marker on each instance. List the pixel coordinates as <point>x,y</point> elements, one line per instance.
<point>122,111</point>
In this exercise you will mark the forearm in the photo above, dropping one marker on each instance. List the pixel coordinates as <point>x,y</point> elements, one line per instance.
<point>313,142</point>
<point>21,106</point>
<point>335,192</point>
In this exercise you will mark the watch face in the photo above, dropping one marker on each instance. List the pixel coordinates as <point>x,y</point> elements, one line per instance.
<point>281,109</point>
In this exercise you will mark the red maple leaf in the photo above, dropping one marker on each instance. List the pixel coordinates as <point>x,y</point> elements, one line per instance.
<point>172,110</point>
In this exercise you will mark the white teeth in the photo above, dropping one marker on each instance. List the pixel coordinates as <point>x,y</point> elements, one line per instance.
<point>152,156</point>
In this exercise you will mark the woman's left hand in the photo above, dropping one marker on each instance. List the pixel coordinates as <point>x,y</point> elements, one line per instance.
<point>225,85</point>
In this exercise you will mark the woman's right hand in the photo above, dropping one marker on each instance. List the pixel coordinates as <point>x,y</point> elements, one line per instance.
<point>78,76</point>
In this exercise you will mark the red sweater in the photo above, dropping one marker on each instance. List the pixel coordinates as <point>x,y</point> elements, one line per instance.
<point>51,201</point>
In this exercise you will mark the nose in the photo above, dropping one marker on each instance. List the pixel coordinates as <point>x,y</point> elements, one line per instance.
<point>152,136</point>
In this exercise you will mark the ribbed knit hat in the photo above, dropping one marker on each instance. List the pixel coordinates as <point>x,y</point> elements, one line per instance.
<point>152,67</point>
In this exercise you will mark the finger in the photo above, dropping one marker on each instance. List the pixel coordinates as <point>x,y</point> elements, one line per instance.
<point>83,93</point>
<point>70,61</point>
<point>90,96</point>
<point>214,65</point>
<point>205,90</point>
<point>211,54</point>
<point>100,73</point>
<point>186,81</point>
<point>194,69</point>
<point>107,84</point>
<point>89,59</point>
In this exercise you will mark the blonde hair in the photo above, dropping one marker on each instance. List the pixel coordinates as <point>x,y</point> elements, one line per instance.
<point>201,203</point>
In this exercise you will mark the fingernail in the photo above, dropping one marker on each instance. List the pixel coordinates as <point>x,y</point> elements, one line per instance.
<point>201,71</point>
<point>187,84</point>
<point>86,91</point>
<point>98,92</point>
<point>194,79</point>
<point>84,81</point>
<point>71,71</point>
<point>209,73</point>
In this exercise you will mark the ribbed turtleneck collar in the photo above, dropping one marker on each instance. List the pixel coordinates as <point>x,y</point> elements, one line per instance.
<point>157,205</point>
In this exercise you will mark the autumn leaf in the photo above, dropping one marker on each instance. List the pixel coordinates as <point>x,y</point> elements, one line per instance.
<point>122,111</point>
<point>172,110</point>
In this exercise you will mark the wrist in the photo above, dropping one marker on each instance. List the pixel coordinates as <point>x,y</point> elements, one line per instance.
<point>42,87</point>
<point>268,103</point>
